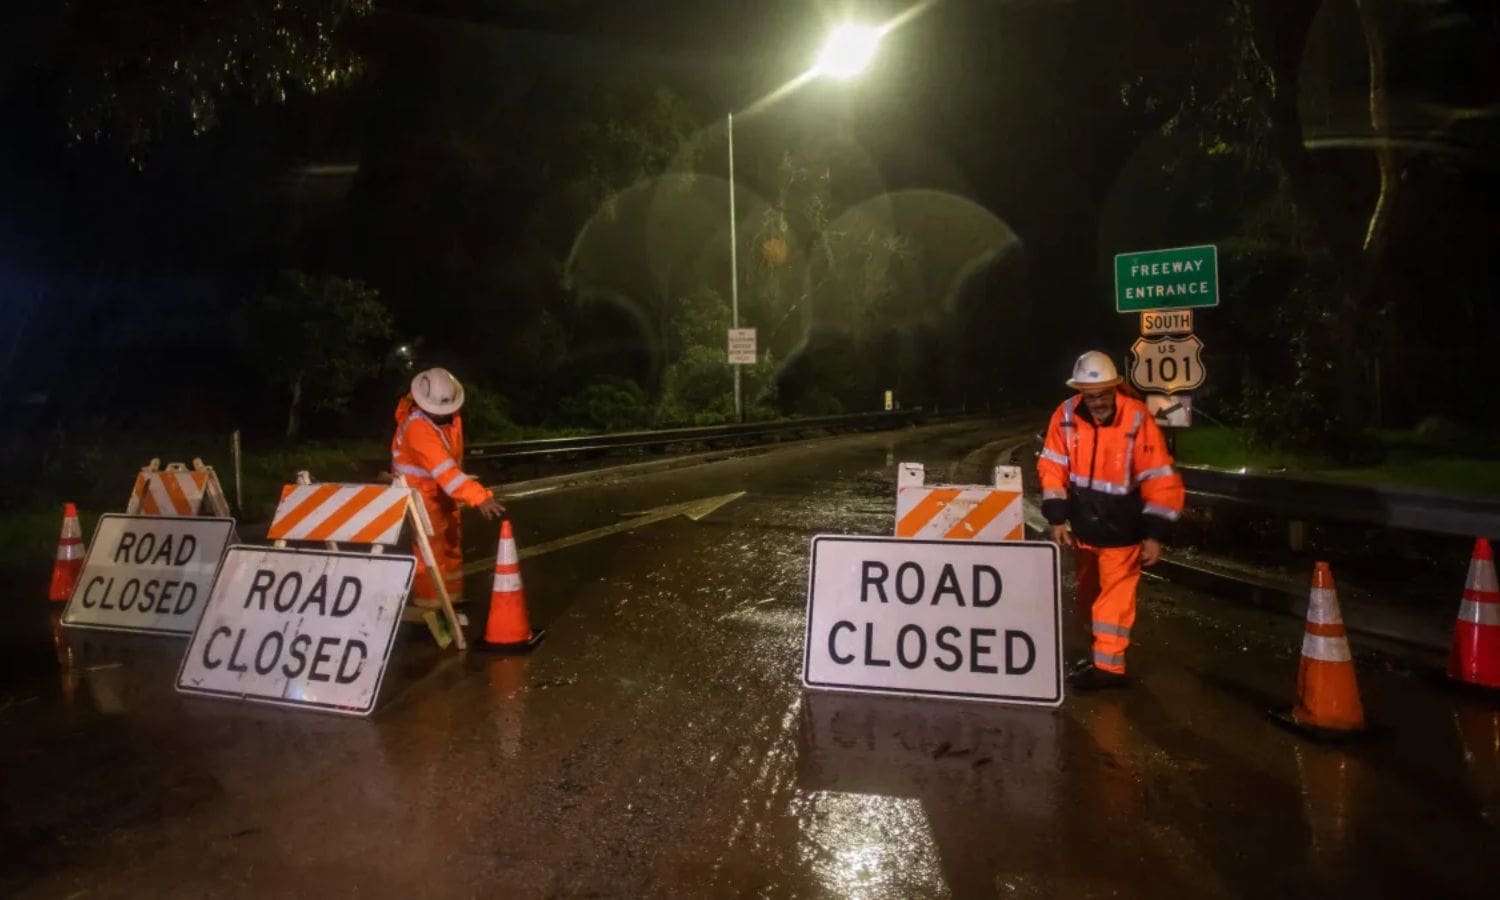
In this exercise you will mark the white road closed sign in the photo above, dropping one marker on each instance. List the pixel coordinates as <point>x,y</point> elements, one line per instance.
<point>148,573</point>
<point>304,628</point>
<point>967,619</point>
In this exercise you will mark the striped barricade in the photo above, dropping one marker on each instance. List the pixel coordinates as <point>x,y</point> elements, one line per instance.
<point>959,512</point>
<point>343,513</point>
<point>176,491</point>
<point>371,514</point>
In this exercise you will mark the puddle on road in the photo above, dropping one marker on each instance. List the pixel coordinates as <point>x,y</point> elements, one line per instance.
<point>869,846</point>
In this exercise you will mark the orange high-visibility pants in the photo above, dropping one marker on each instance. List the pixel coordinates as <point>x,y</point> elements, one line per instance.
<point>447,549</point>
<point>1106,579</point>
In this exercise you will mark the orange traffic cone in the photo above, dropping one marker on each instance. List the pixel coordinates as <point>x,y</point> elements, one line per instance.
<point>508,629</point>
<point>69,557</point>
<point>1475,657</point>
<point>1327,696</point>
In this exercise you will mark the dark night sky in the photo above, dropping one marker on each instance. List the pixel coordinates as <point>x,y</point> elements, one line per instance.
<point>1015,105</point>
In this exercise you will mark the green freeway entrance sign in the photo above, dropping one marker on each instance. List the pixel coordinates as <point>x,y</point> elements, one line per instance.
<point>1179,278</point>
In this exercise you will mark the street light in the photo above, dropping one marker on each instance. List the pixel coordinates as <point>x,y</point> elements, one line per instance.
<point>847,52</point>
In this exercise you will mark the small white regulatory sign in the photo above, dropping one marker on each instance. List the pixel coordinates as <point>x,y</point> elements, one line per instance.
<point>304,628</point>
<point>968,619</point>
<point>742,346</point>
<point>148,573</point>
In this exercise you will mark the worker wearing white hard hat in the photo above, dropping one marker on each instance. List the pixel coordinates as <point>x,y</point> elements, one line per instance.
<point>1109,491</point>
<point>428,452</point>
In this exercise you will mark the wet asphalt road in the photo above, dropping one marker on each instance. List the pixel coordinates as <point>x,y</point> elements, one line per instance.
<point>659,744</point>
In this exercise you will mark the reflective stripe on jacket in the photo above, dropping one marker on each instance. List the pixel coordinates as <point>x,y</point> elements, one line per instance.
<point>431,455</point>
<point>1114,484</point>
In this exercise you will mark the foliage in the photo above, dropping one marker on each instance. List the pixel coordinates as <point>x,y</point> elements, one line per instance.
<point>320,338</point>
<point>510,211</point>
<point>132,73</point>
<point>698,387</point>
<point>487,415</point>
<point>845,269</point>
<point>615,404</point>
<point>1235,94</point>
<point>633,134</point>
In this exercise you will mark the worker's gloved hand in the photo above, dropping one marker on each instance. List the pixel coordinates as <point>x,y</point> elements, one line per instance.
<point>1150,553</point>
<point>491,509</point>
<point>1062,536</point>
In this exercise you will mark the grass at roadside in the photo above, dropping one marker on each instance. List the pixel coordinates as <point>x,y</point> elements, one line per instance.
<point>1408,460</point>
<point>99,482</point>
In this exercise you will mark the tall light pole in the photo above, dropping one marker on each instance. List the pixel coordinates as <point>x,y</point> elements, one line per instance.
<point>734,270</point>
<point>847,52</point>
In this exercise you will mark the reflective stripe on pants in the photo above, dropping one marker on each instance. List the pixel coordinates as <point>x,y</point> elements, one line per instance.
<point>1106,580</point>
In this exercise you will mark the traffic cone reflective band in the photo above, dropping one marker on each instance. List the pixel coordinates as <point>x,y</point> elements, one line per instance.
<point>508,629</point>
<point>69,557</point>
<point>1327,696</point>
<point>1475,657</point>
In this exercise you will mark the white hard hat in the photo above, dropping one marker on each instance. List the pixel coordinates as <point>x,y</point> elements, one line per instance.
<point>1094,370</point>
<point>437,392</point>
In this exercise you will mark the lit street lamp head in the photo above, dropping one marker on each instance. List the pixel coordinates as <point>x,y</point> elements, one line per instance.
<point>849,50</point>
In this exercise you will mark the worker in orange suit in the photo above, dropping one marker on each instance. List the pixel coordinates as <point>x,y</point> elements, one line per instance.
<point>428,450</point>
<point>1109,492</point>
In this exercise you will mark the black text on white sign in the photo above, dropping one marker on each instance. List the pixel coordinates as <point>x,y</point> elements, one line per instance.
<point>968,619</point>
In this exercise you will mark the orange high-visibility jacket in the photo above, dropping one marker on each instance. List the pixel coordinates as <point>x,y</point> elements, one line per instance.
<point>1114,484</point>
<point>431,455</point>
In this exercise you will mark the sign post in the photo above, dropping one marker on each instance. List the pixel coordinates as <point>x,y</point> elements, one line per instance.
<point>741,353</point>
<point>1179,278</point>
<point>972,620</point>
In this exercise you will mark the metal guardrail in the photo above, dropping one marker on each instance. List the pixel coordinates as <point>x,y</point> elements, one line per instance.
<point>592,443</point>
<point>1297,498</point>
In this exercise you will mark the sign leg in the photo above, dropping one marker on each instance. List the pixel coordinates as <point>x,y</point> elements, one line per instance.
<point>424,546</point>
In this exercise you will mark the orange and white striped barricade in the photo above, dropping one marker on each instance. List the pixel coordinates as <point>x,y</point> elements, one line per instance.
<point>151,569</point>
<point>177,491</point>
<point>959,512</point>
<point>366,514</point>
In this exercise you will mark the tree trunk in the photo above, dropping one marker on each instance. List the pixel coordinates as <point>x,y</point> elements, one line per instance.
<point>1380,130</point>
<point>1281,33</point>
<point>1377,233</point>
<point>294,410</point>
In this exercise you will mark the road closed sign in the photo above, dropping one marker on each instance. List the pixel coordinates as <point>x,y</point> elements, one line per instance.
<point>966,619</point>
<point>303,628</point>
<point>148,573</point>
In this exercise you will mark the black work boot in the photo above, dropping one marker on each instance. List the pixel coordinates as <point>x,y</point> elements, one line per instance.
<point>1093,679</point>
